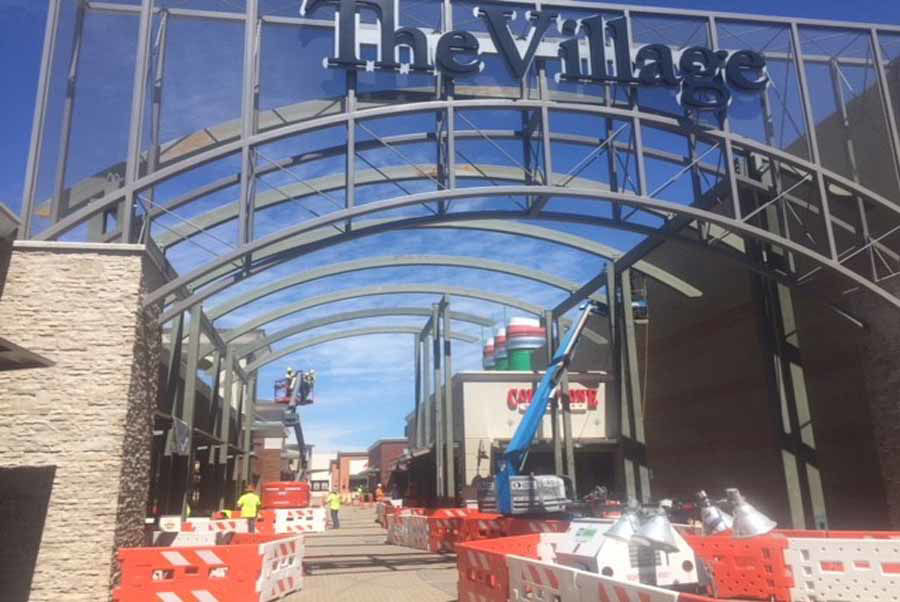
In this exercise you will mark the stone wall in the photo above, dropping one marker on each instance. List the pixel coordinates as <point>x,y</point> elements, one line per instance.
<point>88,418</point>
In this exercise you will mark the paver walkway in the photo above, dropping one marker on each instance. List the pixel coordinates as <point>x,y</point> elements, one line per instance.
<point>354,564</point>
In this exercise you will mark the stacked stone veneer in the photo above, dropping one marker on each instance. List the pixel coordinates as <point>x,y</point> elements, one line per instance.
<point>90,415</point>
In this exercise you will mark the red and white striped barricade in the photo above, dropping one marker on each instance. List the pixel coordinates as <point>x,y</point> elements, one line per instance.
<point>282,568</point>
<point>292,520</point>
<point>852,569</point>
<point>251,570</point>
<point>180,539</point>
<point>520,526</point>
<point>417,532</point>
<point>595,588</point>
<point>533,579</point>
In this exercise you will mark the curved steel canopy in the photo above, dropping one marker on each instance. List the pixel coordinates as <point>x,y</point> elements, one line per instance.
<point>387,289</point>
<point>447,196</point>
<point>347,334</point>
<point>362,314</point>
<point>389,261</point>
<point>308,242</point>
<point>243,137</point>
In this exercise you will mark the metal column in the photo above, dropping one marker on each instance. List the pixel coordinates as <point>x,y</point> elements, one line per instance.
<point>438,400</point>
<point>138,94</point>
<point>249,104</point>
<point>190,396</point>
<point>40,117</point>
<point>568,443</point>
<point>427,375</point>
<point>226,416</point>
<point>449,438</point>
<point>554,404</point>
<point>632,390</point>
<point>249,418</point>
<point>417,413</point>
<point>66,131</point>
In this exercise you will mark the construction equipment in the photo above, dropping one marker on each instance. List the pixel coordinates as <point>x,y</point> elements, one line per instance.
<point>295,390</point>
<point>512,492</point>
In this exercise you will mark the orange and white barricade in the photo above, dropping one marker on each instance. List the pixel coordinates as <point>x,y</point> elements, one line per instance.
<point>282,570</point>
<point>254,569</point>
<point>291,520</point>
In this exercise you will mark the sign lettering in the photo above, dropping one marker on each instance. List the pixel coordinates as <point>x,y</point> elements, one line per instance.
<point>704,77</point>
<point>579,399</point>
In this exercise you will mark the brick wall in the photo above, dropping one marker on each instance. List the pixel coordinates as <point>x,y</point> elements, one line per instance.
<point>88,418</point>
<point>709,415</point>
<point>853,375</point>
<point>381,457</point>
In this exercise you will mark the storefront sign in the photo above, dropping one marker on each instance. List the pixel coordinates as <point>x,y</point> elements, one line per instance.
<point>580,400</point>
<point>704,77</point>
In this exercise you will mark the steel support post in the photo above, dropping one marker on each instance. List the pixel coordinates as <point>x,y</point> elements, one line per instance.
<point>39,120</point>
<point>850,149</point>
<point>417,418</point>
<point>449,437</point>
<point>554,404</point>
<point>159,74</point>
<point>249,106</point>
<point>249,418</point>
<point>65,137</point>
<point>438,400</point>
<point>228,399</point>
<point>427,401</point>
<point>633,387</point>
<point>190,396</point>
<point>886,102</point>
<point>813,141</point>
<point>350,155</point>
<point>450,155</point>
<point>568,443</point>
<point>138,97</point>
<point>235,467</point>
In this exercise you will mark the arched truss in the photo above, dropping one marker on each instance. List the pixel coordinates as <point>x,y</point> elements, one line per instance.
<point>387,289</point>
<point>298,245</point>
<point>733,216</point>
<point>362,314</point>
<point>347,334</point>
<point>390,261</point>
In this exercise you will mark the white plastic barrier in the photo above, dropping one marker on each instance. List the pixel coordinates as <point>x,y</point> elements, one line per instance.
<point>300,520</point>
<point>543,581</point>
<point>844,570</point>
<point>282,568</point>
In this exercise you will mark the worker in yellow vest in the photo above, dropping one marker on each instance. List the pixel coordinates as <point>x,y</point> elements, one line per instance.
<point>333,501</point>
<point>249,504</point>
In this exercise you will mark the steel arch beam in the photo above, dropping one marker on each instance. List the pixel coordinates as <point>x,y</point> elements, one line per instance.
<point>388,289</point>
<point>387,262</point>
<point>671,124</point>
<point>362,314</point>
<point>448,196</point>
<point>314,241</point>
<point>348,334</point>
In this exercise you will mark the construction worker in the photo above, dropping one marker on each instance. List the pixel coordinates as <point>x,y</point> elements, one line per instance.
<point>249,504</point>
<point>334,504</point>
<point>379,493</point>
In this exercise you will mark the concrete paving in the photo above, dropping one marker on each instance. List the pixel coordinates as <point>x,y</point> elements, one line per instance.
<point>354,564</point>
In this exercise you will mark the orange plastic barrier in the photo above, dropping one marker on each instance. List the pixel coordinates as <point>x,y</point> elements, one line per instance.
<point>482,525</point>
<point>753,569</point>
<point>483,571</point>
<point>252,568</point>
<point>445,528</point>
<point>521,526</point>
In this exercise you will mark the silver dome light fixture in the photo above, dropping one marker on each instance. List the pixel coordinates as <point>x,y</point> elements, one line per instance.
<point>748,521</point>
<point>713,518</point>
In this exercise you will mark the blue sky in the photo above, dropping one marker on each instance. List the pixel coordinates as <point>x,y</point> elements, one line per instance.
<point>366,384</point>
